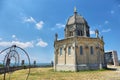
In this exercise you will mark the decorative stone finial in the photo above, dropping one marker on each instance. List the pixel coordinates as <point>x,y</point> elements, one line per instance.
<point>101,37</point>
<point>97,33</point>
<point>56,37</point>
<point>75,10</point>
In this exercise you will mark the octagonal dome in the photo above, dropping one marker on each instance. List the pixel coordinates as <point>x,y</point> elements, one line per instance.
<point>76,18</point>
<point>76,26</point>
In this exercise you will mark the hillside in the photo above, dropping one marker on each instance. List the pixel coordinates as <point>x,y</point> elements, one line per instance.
<point>49,74</point>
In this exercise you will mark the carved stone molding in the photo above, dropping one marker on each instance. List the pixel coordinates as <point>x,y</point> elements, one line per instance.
<point>86,47</point>
<point>97,47</point>
<point>76,46</point>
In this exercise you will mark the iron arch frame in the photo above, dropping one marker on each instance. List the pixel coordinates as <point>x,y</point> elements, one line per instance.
<point>8,55</point>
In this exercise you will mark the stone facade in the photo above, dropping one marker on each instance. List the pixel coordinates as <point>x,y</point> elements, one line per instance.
<point>78,51</point>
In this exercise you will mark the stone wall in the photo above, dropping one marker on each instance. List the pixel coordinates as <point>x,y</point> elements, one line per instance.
<point>64,67</point>
<point>85,61</point>
<point>70,67</point>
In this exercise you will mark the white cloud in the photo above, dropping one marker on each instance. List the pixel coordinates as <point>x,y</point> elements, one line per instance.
<point>13,36</point>
<point>23,44</point>
<point>39,25</point>
<point>59,25</point>
<point>41,43</point>
<point>5,44</point>
<point>18,43</point>
<point>112,12</point>
<point>106,30</point>
<point>29,19</point>
<point>92,32</point>
<point>106,22</point>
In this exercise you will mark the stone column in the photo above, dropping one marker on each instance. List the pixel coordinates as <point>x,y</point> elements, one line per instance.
<point>100,59</point>
<point>66,33</point>
<point>74,33</point>
<point>34,63</point>
<point>75,57</point>
<point>97,33</point>
<point>55,59</point>
<point>65,54</point>
<point>56,37</point>
<point>84,30</point>
<point>87,55</point>
<point>22,63</point>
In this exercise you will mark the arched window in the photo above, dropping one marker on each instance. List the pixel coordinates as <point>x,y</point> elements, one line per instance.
<point>81,33</point>
<point>81,50</point>
<point>91,50</point>
<point>78,32</point>
<point>60,51</point>
<point>88,33</point>
<point>69,50</point>
<point>71,33</point>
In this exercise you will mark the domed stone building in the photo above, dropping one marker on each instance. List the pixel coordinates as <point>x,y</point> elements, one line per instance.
<point>78,51</point>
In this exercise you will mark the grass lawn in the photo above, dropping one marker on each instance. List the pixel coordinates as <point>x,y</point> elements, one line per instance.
<point>49,74</point>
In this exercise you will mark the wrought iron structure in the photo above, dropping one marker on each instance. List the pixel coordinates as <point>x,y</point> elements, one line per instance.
<point>12,59</point>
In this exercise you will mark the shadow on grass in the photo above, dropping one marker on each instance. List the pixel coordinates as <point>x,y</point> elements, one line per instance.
<point>91,70</point>
<point>112,69</point>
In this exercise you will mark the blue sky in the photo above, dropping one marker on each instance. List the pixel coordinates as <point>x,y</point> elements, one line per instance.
<point>31,24</point>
